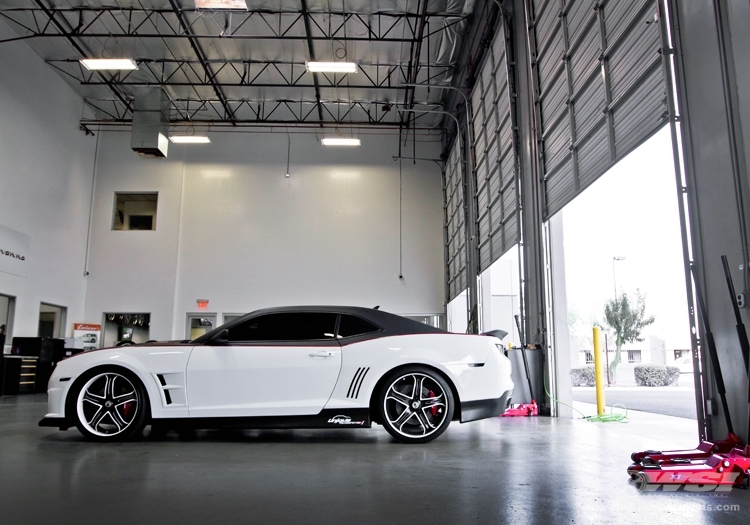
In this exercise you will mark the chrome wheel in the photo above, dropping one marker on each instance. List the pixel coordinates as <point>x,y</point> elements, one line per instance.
<point>108,404</point>
<point>417,406</point>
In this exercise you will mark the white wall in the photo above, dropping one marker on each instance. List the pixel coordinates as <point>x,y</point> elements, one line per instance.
<point>133,271</point>
<point>232,229</point>
<point>46,169</point>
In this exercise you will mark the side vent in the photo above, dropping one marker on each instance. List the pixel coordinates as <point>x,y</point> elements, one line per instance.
<point>356,384</point>
<point>163,382</point>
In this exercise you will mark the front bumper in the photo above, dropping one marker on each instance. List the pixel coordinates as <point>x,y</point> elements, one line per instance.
<point>485,408</point>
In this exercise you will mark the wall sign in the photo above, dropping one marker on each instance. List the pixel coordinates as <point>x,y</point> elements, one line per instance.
<point>87,336</point>
<point>14,251</point>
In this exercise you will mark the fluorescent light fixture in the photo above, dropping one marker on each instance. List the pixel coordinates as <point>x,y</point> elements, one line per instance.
<point>221,4</point>
<point>190,139</point>
<point>127,64</point>
<point>338,141</point>
<point>331,67</point>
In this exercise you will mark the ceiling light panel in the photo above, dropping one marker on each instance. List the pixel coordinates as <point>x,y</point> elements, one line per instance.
<point>331,67</point>
<point>221,4</point>
<point>339,141</point>
<point>189,139</point>
<point>93,64</point>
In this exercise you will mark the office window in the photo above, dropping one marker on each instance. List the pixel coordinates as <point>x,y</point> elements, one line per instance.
<point>135,211</point>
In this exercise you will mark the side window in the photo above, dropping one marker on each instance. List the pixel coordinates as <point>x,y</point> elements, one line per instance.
<point>292,326</point>
<point>351,325</point>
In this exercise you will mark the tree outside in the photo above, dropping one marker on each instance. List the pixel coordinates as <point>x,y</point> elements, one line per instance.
<point>628,319</point>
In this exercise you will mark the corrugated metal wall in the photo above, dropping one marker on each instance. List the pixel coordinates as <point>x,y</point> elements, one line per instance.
<point>455,224</point>
<point>496,162</point>
<point>600,88</point>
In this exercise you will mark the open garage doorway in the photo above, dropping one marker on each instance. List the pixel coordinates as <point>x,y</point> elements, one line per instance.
<point>458,313</point>
<point>500,297</point>
<point>621,240</point>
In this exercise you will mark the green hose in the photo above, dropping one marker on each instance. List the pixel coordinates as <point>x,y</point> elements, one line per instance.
<point>604,418</point>
<point>611,417</point>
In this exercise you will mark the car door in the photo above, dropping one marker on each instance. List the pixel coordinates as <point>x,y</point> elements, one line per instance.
<point>275,364</point>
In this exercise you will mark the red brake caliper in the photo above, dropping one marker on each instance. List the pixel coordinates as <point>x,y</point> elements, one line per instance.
<point>126,409</point>
<point>434,409</point>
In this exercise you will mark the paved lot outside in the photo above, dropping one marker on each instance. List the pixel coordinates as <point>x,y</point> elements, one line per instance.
<point>669,401</point>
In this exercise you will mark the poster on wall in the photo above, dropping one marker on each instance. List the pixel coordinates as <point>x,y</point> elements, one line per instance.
<point>14,251</point>
<point>87,336</point>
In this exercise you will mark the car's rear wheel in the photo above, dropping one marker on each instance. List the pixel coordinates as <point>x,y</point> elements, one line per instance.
<point>416,404</point>
<point>110,405</point>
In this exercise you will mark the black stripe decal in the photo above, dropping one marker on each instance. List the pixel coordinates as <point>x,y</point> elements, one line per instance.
<point>354,381</point>
<point>361,380</point>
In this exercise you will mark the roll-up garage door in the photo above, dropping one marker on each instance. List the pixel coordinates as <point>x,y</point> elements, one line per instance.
<point>455,224</point>
<point>600,88</point>
<point>494,146</point>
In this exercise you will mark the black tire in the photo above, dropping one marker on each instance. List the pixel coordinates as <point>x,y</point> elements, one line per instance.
<point>109,404</point>
<point>416,404</point>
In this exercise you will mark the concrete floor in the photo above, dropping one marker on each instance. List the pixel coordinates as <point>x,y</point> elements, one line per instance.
<point>522,470</point>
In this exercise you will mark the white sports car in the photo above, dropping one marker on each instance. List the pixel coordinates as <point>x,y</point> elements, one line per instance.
<point>292,367</point>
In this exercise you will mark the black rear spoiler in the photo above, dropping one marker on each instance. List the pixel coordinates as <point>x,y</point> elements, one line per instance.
<point>500,334</point>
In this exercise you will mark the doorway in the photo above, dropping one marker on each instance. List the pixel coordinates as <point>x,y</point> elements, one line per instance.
<point>7,309</point>
<point>52,320</point>
<point>199,324</point>
<point>500,296</point>
<point>230,317</point>
<point>623,265</point>
<point>124,328</point>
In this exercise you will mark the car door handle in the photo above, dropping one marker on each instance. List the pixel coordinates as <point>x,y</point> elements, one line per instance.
<point>322,353</point>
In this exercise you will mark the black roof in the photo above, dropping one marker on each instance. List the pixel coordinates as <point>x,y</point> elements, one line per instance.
<point>391,324</point>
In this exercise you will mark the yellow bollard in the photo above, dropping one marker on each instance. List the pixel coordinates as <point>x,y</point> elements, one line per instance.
<point>598,372</point>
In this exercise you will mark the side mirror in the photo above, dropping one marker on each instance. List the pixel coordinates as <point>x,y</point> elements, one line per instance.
<point>222,338</point>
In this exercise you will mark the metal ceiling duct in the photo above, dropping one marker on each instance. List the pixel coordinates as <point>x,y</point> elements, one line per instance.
<point>148,136</point>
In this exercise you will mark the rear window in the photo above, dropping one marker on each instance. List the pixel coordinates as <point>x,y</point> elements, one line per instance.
<point>352,325</point>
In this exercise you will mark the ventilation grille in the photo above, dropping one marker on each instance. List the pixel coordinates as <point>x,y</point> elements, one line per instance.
<point>356,383</point>
<point>167,396</point>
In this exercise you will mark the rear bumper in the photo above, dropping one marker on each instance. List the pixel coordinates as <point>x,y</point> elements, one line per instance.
<point>59,422</point>
<point>484,408</point>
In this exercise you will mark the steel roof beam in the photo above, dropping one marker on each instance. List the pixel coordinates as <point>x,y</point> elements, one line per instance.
<point>178,23</point>
<point>311,52</point>
<point>413,68</point>
<point>51,15</point>
<point>330,12</point>
<point>270,122</point>
<point>202,59</point>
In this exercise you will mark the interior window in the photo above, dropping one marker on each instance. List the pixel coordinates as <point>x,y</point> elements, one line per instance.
<point>292,326</point>
<point>352,325</point>
<point>135,211</point>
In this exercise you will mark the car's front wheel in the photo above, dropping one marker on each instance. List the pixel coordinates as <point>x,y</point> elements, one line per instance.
<point>416,405</point>
<point>110,405</point>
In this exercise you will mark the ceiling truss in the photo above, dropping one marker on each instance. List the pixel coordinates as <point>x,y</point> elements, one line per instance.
<point>87,22</point>
<point>202,60</point>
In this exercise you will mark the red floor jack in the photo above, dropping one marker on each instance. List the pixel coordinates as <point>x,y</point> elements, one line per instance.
<point>724,462</point>
<point>524,409</point>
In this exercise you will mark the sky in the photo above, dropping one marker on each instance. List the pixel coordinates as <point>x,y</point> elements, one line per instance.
<point>630,211</point>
